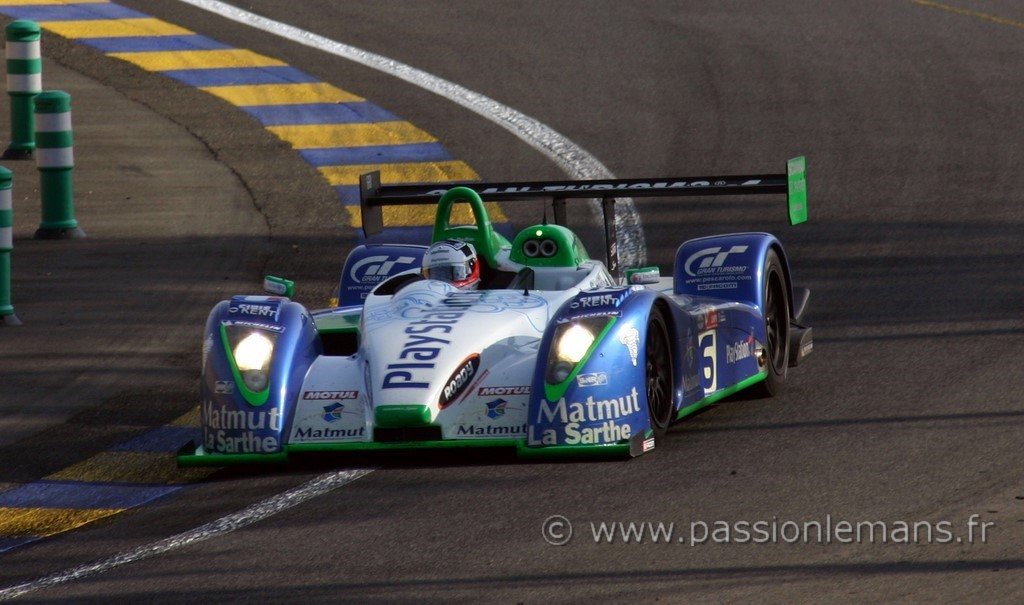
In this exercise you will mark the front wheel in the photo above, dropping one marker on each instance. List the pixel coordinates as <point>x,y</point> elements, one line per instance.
<point>776,325</point>
<point>659,377</point>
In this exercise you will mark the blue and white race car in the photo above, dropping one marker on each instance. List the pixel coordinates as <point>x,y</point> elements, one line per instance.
<point>554,353</point>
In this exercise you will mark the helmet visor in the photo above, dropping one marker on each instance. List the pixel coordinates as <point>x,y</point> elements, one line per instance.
<point>456,272</point>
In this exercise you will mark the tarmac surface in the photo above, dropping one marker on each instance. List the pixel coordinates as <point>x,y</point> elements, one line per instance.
<point>909,410</point>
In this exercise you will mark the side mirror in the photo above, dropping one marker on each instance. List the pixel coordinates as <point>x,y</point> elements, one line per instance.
<point>643,275</point>
<point>278,286</point>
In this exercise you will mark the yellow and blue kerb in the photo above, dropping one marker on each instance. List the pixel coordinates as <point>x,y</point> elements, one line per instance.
<point>339,133</point>
<point>131,474</point>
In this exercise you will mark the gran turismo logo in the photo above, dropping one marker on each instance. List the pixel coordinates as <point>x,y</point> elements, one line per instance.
<point>374,269</point>
<point>710,260</point>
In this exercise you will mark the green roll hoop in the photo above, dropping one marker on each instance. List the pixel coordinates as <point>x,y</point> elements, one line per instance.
<point>24,82</point>
<point>56,160</point>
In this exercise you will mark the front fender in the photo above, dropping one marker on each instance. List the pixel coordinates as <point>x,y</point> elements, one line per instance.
<point>236,420</point>
<point>602,400</point>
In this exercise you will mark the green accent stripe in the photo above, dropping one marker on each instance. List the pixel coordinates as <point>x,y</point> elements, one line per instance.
<point>354,446</point>
<point>722,394</point>
<point>6,218</point>
<point>611,450</point>
<point>334,323</point>
<point>402,416</point>
<point>20,67</point>
<point>54,140</point>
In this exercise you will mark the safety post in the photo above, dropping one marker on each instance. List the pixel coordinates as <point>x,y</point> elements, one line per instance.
<point>7,316</point>
<point>55,160</point>
<point>24,82</point>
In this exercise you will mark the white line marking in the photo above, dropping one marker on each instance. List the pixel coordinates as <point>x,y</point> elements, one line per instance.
<point>573,159</point>
<point>257,512</point>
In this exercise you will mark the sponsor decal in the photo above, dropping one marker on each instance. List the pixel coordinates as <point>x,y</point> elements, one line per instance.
<point>487,430</point>
<point>595,379</point>
<point>614,186</point>
<point>739,351</point>
<point>262,309</point>
<point>648,444</point>
<point>327,395</point>
<point>720,285</point>
<point>601,416</point>
<point>578,316</point>
<point>459,380</point>
<point>806,349</point>
<point>603,298</point>
<point>224,387</point>
<point>630,338</point>
<point>711,268</point>
<point>230,431</point>
<point>492,391</point>
<point>327,434</point>
<point>496,408</point>
<point>421,348</point>
<point>375,269</point>
<point>708,344</point>
<point>333,412</point>
<point>708,317</point>
<point>712,262</point>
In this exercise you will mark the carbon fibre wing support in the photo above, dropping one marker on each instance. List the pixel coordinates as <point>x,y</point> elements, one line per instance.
<point>373,196</point>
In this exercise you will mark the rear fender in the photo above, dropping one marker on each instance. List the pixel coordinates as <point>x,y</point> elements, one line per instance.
<point>728,267</point>
<point>234,419</point>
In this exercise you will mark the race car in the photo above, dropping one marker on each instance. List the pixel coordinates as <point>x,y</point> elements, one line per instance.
<point>553,353</point>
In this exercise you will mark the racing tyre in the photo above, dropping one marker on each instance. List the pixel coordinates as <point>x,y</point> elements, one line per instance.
<point>776,325</point>
<point>658,376</point>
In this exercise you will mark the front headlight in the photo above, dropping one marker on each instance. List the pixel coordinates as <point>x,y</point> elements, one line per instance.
<point>570,345</point>
<point>574,343</point>
<point>252,350</point>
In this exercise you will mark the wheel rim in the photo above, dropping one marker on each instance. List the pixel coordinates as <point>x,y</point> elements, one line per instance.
<point>659,376</point>
<point>773,319</point>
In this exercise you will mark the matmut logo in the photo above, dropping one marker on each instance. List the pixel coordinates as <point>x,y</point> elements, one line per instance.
<point>711,260</point>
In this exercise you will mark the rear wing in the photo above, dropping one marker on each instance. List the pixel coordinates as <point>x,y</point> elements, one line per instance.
<point>373,197</point>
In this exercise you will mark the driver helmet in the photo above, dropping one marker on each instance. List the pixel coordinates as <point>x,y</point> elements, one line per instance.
<point>454,262</point>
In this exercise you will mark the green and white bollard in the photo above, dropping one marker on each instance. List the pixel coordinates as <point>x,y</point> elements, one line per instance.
<point>55,159</point>
<point>7,316</point>
<point>24,82</point>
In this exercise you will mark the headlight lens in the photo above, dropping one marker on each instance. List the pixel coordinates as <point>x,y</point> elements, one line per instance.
<point>574,343</point>
<point>252,350</point>
<point>570,345</point>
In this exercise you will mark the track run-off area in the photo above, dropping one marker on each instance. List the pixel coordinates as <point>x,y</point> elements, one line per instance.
<point>909,413</point>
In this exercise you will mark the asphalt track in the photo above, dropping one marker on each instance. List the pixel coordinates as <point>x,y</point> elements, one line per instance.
<point>910,408</point>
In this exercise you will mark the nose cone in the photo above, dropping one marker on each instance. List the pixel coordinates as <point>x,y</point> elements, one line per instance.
<point>425,346</point>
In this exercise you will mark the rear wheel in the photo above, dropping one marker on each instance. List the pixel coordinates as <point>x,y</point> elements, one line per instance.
<point>659,376</point>
<point>776,325</point>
